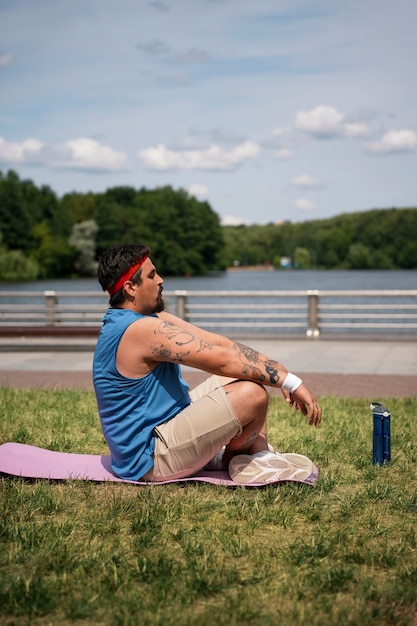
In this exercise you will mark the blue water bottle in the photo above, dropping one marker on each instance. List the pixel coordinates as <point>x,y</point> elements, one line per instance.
<point>381,452</point>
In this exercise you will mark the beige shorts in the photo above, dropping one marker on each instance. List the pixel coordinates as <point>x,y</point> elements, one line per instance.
<point>190,440</point>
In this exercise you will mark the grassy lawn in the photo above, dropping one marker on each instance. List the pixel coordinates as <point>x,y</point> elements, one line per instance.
<point>342,552</point>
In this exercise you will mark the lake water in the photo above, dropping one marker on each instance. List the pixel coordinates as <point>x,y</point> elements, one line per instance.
<point>291,311</point>
<point>274,280</point>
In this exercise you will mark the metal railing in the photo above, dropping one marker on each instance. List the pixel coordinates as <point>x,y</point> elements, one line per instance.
<point>310,312</point>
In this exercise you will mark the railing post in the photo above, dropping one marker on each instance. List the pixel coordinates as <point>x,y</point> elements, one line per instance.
<point>181,304</point>
<point>51,302</point>
<point>313,313</point>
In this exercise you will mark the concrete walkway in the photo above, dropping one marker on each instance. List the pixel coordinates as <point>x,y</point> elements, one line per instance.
<point>349,368</point>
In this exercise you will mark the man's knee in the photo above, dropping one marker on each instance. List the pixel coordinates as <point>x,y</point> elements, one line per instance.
<point>247,398</point>
<point>254,388</point>
<point>256,392</point>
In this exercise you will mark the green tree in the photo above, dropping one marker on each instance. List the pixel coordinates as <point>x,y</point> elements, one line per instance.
<point>78,207</point>
<point>302,258</point>
<point>23,206</point>
<point>54,255</point>
<point>251,245</point>
<point>15,266</point>
<point>115,224</point>
<point>183,233</point>
<point>359,256</point>
<point>381,259</point>
<point>15,217</point>
<point>407,258</point>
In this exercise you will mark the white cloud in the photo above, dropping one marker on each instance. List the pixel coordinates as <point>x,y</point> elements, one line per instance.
<point>211,158</point>
<point>25,152</point>
<point>327,122</point>
<point>82,153</point>
<point>305,180</point>
<point>198,190</point>
<point>232,220</point>
<point>85,153</point>
<point>322,121</point>
<point>303,204</point>
<point>395,141</point>
<point>6,59</point>
<point>355,129</point>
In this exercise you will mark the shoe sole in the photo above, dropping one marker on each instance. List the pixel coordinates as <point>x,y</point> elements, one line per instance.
<point>245,469</point>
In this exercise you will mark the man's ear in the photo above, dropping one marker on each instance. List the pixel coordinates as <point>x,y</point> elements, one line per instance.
<point>129,289</point>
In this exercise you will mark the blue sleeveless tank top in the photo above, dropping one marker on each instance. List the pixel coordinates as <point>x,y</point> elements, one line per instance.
<point>130,408</point>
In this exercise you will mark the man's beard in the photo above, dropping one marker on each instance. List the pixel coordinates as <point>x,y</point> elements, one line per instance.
<point>160,306</point>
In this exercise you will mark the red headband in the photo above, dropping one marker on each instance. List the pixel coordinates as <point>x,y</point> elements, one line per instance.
<point>128,275</point>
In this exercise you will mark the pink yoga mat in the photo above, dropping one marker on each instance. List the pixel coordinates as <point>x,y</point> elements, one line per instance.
<point>19,459</point>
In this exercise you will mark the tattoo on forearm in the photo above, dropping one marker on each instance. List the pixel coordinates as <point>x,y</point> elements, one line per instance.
<point>204,344</point>
<point>173,333</point>
<point>254,373</point>
<point>273,374</point>
<point>271,368</point>
<point>251,355</point>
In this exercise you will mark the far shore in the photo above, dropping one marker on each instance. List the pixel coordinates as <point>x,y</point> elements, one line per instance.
<point>250,268</point>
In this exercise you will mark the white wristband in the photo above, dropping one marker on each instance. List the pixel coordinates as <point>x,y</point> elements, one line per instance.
<point>291,382</point>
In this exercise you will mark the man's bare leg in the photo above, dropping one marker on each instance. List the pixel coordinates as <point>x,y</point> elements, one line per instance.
<point>250,404</point>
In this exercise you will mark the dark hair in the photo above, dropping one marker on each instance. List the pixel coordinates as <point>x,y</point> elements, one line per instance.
<point>114,262</point>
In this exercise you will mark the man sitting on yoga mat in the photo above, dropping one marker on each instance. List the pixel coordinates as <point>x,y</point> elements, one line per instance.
<point>155,428</point>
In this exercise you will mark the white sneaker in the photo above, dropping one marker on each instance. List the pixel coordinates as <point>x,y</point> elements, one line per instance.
<point>267,467</point>
<point>216,463</point>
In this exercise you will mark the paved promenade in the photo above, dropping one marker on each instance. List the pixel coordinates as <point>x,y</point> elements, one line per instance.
<point>346,368</point>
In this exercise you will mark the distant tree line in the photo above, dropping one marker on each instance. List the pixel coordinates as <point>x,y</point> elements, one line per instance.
<point>375,239</point>
<point>43,236</point>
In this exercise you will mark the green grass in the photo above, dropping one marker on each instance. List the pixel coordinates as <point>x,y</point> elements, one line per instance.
<point>343,552</point>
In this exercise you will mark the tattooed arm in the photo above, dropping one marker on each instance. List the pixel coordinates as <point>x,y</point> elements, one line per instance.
<point>265,370</point>
<point>168,338</point>
<point>219,355</point>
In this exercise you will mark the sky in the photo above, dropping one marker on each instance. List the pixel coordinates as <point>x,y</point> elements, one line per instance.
<point>270,110</point>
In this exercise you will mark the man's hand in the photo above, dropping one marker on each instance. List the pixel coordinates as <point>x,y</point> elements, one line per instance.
<point>303,400</point>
